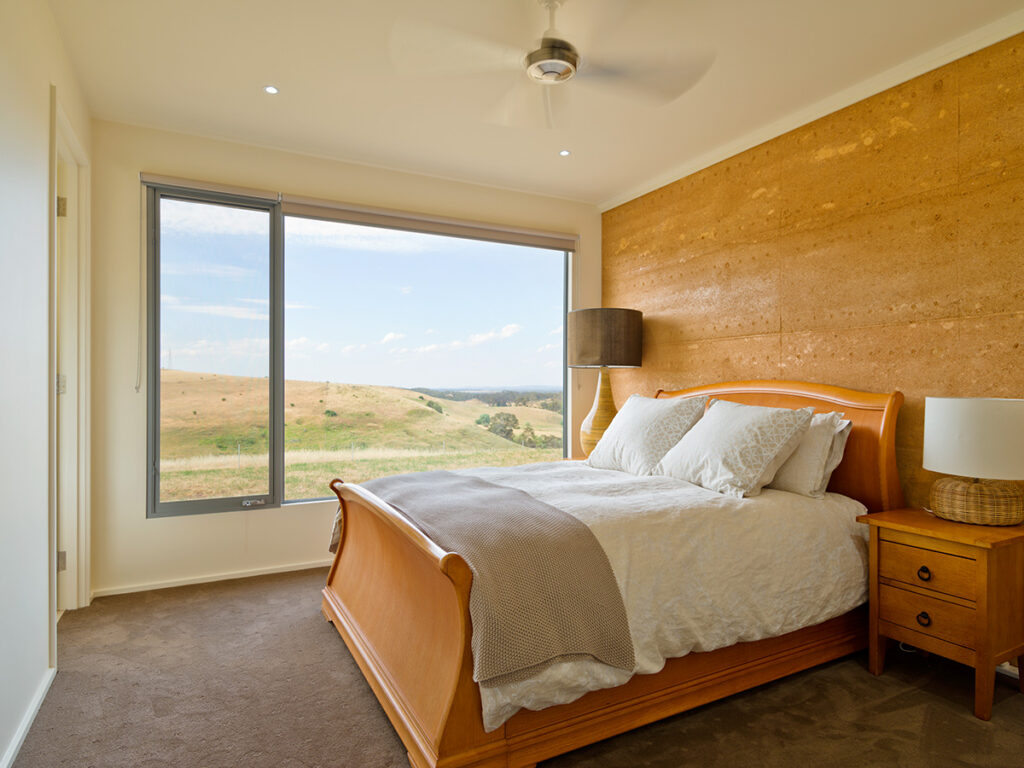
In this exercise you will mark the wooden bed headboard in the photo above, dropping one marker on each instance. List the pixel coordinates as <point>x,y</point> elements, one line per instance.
<point>868,471</point>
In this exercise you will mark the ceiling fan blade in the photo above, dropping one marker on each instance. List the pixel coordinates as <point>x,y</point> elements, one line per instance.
<point>520,106</point>
<point>650,80</point>
<point>549,117</point>
<point>527,105</point>
<point>420,47</point>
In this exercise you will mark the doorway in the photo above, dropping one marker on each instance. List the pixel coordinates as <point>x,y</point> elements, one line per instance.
<point>70,339</point>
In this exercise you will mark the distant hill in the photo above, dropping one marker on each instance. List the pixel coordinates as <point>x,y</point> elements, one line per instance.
<point>217,414</point>
<point>214,437</point>
<point>547,399</point>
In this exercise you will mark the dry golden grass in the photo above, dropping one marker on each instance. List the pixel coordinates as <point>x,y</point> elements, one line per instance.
<point>214,437</point>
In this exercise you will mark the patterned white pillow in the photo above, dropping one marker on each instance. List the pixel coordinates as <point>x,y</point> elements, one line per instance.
<point>736,449</point>
<point>643,431</point>
<point>807,471</point>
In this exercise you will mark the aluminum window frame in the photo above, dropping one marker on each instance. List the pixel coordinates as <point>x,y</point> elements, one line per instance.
<point>159,187</point>
<point>275,438</point>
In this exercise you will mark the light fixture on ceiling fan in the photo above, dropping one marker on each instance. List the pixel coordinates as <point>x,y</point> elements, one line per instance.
<point>557,60</point>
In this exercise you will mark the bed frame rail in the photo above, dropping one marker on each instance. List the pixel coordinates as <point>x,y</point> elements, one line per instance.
<point>401,604</point>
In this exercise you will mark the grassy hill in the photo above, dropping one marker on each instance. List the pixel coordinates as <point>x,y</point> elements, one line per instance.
<point>214,437</point>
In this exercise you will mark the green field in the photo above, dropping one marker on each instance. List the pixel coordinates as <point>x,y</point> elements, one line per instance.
<point>214,442</point>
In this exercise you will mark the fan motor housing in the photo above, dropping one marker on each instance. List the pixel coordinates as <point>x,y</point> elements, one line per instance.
<point>554,62</point>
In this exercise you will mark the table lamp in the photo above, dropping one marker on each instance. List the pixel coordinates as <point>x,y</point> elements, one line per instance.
<point>603,338</point>
<point>981,439</point>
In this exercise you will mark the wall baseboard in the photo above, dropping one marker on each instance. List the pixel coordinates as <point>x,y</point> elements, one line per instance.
<point>7,760</point>
<point>222,576</point>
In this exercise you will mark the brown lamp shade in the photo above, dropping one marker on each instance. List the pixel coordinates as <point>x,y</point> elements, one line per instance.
<point>605,337</point>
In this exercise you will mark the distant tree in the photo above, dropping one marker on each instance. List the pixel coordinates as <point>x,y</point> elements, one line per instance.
<point>553,403</point>
<point>484,420</point>
<point>435,405</point>
<point>549,441</point>
<point>330,413</point>
<point>528,437</point>
<point>503,423</point>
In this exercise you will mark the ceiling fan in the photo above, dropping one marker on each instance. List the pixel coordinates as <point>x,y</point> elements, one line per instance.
<point>639,73</point>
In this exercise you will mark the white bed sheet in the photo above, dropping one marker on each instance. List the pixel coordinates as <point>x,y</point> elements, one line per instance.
<point>698,570</point>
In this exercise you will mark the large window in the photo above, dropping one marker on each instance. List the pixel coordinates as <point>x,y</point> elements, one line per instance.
<point>286,350</point>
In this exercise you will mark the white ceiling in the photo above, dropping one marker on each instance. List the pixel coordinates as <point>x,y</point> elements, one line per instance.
<point>397,83</point>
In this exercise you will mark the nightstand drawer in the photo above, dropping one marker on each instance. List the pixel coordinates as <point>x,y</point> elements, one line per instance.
<point>924,568</point>
<point>928,615</point>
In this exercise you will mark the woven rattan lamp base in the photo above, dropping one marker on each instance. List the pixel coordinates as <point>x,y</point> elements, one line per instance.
<point>981,502</point>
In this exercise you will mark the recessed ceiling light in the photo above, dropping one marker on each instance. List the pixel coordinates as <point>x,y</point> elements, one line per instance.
<point>565,153</point>
<point>270,89</point>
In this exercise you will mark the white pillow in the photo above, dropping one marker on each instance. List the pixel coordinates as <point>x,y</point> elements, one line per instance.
<point>835,455</point>
<point>643,431</point>
<point>807,471</point>
<point>736,449</point>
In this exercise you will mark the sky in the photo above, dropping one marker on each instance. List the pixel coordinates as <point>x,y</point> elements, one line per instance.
<point>363,305</point>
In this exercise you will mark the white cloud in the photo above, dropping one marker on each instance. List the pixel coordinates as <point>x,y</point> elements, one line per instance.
<point>235,348</point>
<point>205,270</point>
<point>209,219</point>
<point>303,344</point>
<point>349,348</point>
<point>405,290</point>
<point>556,331</point>
<point>430,332</point>
<point>168,299</point>
<point>266,303</point>
<point>336,234</point>
<point>391,336</point>
<point>548,347</point>
<point>474,339</point>
<point>237,313</point>
<point>479,338</point>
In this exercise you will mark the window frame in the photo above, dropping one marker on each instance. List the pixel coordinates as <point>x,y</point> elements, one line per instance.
<point>278,206</point>
<point>275,465</point>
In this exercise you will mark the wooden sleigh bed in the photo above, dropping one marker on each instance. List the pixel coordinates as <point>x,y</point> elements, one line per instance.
<point>401,604</point>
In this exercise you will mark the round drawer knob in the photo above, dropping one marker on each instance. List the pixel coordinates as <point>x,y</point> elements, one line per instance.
<point>924,574</point>
<point>924,619</point>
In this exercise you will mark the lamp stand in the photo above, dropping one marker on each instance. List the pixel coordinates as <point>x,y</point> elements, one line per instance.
<point>981,502</point>
<point>601,413</point>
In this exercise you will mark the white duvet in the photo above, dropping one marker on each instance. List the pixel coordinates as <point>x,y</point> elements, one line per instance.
<point>698,570</point>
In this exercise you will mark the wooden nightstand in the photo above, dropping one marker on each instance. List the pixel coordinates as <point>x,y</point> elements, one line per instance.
<point>949,588</point>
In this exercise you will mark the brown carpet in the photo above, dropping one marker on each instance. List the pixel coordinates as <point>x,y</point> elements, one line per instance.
<point>248,673</point>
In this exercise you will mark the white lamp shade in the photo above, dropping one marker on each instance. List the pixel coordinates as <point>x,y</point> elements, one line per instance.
<point>974,437</point>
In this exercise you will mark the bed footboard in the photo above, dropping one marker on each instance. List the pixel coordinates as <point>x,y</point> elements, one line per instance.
<point>401,604</point>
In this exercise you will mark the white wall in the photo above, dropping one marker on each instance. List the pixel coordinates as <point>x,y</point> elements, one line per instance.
<point>32,58</point>
<point>133,552</point>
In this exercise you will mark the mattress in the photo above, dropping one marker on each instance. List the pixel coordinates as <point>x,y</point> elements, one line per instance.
<point>697,570</point>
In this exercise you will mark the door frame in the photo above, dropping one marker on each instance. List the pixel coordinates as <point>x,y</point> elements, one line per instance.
<point>70,357</point>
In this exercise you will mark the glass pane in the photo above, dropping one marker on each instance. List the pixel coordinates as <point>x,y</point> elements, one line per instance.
<point>214,351</point>
<point>408,352</point>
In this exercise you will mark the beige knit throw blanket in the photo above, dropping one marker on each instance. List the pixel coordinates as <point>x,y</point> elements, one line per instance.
<point>543,590</point>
